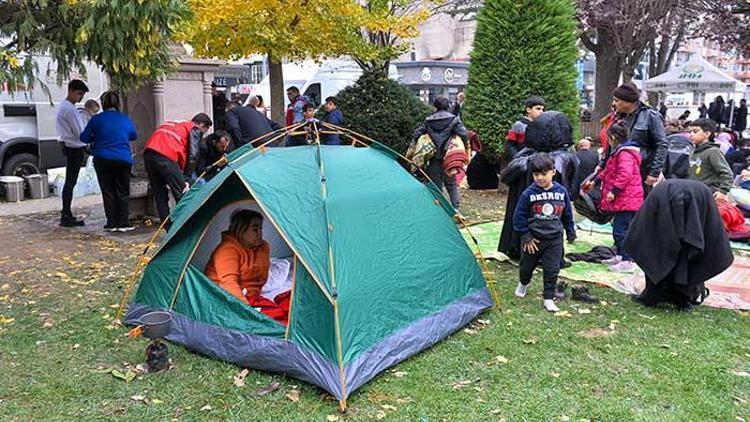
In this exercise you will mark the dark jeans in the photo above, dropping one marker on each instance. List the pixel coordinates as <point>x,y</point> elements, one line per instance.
<point>114,180</point>
<point>620,226</point>
<point>164,175</point>
<point>75,158</point>
<point>438,176</point>
<point>548,255</point>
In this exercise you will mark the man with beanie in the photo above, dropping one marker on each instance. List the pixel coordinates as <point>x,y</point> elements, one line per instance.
<point>646,129</point>
<point>517,133</point>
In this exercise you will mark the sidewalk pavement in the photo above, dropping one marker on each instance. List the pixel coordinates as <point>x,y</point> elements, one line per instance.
<point>53,203</point>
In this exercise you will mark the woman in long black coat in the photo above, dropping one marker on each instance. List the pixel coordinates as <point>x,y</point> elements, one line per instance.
<point>551,133</point>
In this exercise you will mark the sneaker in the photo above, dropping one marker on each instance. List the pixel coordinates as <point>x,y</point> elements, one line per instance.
<point>612,261</point>
<point>565,263</point>
<point>560,290</point>
<point>623,267</point>
<point>521,290</point>
<point>549,306</point>
<point>581,294</point>
<point>71,221</point>
<point>123,229</point>
<point>109,228</point>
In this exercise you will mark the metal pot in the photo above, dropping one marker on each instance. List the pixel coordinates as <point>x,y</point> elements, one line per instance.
<point>156,325</point>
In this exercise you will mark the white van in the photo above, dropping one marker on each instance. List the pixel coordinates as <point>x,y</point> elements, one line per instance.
<point>28,136</point>
<point>334,76</point>
<point>295,74</point>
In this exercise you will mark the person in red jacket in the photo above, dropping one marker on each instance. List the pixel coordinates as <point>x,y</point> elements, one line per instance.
<point>170,155</point>
<point>622,191</point>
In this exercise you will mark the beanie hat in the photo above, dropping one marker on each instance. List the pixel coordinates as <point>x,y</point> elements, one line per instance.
<point>627,92</point>
<point>534,100</point>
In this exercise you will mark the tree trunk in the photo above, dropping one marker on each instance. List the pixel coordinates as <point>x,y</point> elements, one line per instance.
<point>276,79</point>
<point>608,65</point>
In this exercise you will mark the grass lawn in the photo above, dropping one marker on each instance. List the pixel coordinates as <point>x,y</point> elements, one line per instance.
<point>607,362</point>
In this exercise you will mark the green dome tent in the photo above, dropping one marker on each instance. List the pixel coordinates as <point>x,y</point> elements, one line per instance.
<point>379,270</point>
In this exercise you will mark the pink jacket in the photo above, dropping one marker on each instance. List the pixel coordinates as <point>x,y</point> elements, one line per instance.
<point>622,176</point>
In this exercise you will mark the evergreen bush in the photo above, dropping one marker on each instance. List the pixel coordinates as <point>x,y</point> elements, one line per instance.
<point>521,48</point>
<point>382,109</point>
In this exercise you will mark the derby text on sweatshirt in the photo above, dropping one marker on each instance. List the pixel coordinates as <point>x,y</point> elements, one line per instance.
<point>544,214</point>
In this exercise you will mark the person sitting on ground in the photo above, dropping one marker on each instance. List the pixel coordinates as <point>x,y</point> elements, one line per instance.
<point>543,212</point>
<point>683,117</point>
<point>622,192</point>
<point>212,148</point>
<point>90,108</point>
<point>588,160</point>
<point>241,262</point>
<point>707,164</point>
<point>517,133</point>
<point>335,117</point>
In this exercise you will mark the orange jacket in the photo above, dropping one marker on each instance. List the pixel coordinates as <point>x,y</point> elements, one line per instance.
<point>173,140</point>
<point>236,268</point>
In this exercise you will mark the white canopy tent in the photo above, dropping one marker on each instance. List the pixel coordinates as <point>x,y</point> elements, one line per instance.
<point>695,75</point>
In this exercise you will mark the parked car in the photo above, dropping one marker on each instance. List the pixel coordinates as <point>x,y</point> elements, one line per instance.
<point>28,136</point>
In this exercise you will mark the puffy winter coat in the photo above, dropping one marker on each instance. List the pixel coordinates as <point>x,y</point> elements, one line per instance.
<point>622,176</point>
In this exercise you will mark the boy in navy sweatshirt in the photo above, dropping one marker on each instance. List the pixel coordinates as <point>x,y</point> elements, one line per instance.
<point>542,213</point>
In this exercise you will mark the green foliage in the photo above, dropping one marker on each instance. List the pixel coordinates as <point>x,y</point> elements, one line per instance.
<point>382,109</point>
<point>521,47</point>
<point>130,39</point>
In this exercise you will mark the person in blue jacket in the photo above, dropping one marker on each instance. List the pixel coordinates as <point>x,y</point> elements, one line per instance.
<point>335,117</point>
<point>109,135</point>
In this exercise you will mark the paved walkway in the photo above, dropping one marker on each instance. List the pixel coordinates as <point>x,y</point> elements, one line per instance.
<point>53,203</point>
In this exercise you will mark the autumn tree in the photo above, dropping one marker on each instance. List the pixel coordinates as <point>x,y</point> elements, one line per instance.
<point>293,30</point>
<point>129,39</point>
<point>618,34</point>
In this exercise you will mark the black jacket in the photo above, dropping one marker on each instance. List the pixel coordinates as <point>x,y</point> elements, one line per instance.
<point>740,119</point>
<point>246,124</point>
<point>716,111</point>
<point>441,126</point>
<point>588,160</point>
<point>678,236</point>
<point>207,155</point>
<point>647,130</point>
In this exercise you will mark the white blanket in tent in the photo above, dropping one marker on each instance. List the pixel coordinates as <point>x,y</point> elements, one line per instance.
<point>279,278</point>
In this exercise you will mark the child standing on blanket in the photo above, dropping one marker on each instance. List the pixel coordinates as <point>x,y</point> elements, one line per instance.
<point>622,192</point>
<point>542,214</point>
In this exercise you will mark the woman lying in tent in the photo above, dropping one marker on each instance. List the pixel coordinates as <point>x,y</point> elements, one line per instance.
<point>241,262</point>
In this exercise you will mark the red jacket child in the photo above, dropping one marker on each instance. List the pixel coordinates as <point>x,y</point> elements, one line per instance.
<point>622,177</point>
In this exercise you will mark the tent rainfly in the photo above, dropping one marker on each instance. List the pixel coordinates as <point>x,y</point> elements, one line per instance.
<point>377,267</point>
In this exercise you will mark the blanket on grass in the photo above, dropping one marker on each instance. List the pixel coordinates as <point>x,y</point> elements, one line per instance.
<point>729,290</point>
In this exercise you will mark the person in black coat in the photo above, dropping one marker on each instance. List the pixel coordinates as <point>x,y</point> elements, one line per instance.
<point>740,119</point>
<point>678,239</point>
<point>442,126</point>
<point>588,160</point>
<point>246,124</point>
<point>716,110</point>
<point>551,132</point>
